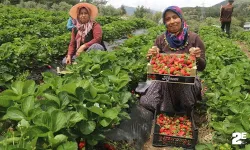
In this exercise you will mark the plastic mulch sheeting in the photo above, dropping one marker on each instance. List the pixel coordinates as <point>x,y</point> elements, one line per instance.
<point>135,130</point>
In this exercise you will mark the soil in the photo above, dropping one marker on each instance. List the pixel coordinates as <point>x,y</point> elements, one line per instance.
<point>244,48</point>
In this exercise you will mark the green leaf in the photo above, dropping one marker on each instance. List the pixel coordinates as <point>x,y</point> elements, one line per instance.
<point>101,88</point>
<point>125,97</point>
<point>34,112</point>
<point>58,139</point>
<point>7,77</point>
<point>245,121</point>
<point>23,124</point>
<point>15,113</point>
<point>104,98</point>
<point>29,87</point>
<point>87,127</point>
<point>237,82</point>
<point>105,122</point>
<point>58,120</point>
<point>4,102</point>
<point>80,93</point>
<point>247,147</point>
<point>116,69</point>
<point>92,141</point>
<point>96,110</point>
<point>17,87</point>
<point>43,119</point>
<point>239,128</point>
<point>70,88</point>
<point>38,131</point>
<point>73,117</point>
<point>42,88</point>
<point>84,84</point>
<point>52,97</point>
<point>96,59</point>
<point>218,126</point>
<point>235,108</point>
<point>107,72</point>
<point>111,113</point>
<point>27,105</point>
<point>95,70</point>
<point>124,115</point>
<point>82,110</point>
<point>92,91</point>
<point>9,95</point>
<point>113,78</point>
<point>121,84</point>
<point>68,146</point>
<point>64,98</point>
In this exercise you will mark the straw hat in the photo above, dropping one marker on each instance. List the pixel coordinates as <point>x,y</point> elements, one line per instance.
<point>74,10</point>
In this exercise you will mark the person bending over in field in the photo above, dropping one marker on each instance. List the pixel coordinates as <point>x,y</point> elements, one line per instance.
<point>87,33</point>
<point>175,40</point>
<point>71,24</point>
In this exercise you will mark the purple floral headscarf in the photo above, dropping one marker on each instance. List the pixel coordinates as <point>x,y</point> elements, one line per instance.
<point>176,41</point>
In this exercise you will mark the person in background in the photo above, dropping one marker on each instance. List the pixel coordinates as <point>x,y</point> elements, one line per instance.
<point>177,39</point>
<point>87,33</point>
<point>226,16</point>
<point>71,23</point>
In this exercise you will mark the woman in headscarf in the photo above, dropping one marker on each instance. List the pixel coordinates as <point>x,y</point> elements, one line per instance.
<point>176,39</point>
<point>87,33</point>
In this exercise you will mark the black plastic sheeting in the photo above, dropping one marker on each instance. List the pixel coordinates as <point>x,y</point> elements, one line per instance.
<point>135,130</point>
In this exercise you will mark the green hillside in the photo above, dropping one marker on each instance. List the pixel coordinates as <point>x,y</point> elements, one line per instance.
<point>237,2</point>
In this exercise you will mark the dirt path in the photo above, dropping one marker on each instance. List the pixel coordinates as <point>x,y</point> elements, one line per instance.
<point>244,48</point>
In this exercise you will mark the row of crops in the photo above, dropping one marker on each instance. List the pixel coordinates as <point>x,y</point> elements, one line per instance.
<point>227,76</point>
<point>82,105</point>
<point>33,38</point>
<point>96,96</point>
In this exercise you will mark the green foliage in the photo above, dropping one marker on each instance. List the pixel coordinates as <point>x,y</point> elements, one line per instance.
<point>226,75</point>
<point>43,37</point>
<point>123,11</point>
<point>141,12</point>
<point>62,6</point>
<point>108,10</point>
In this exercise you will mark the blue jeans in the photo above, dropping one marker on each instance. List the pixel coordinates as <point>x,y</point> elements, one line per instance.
<point>95,46</point>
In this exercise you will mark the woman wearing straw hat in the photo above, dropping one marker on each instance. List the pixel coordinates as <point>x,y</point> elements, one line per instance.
<point>87,33</point>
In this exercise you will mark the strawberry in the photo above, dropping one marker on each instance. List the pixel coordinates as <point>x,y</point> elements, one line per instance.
<point>109,147</point>
<point>81,144</point>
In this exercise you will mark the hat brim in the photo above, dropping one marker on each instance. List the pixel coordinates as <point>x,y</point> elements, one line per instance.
<point>74,10</point>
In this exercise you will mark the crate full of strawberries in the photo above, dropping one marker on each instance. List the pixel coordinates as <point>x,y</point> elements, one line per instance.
<point>172,68</point>
<point>174,129</point>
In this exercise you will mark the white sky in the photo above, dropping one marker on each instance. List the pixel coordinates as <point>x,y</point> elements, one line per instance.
<point>160,5</point>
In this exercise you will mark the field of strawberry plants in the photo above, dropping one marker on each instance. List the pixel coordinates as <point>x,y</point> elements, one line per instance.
<point>82,106</point>
<point>227,78</point>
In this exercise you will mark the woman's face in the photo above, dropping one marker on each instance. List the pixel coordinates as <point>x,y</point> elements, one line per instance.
<point>173,22</point>
<point>83,16</point>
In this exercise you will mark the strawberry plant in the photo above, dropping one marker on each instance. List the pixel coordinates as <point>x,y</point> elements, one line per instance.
<point>226,76</point>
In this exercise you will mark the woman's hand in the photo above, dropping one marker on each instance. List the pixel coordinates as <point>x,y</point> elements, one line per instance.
<point>68,59</point>
<point>81,49</point>
<point>152,51</point>
<point>195,51</point>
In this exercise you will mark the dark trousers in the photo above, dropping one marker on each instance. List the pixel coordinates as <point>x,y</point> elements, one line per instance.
<point>227,25</point>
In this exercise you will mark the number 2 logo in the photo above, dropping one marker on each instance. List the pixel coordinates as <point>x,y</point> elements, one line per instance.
<point>237,137</point>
